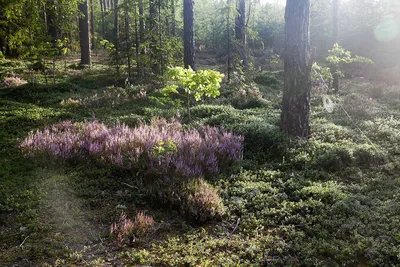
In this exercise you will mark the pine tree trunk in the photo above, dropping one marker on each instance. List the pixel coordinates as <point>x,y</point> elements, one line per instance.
<point>188,35</point>
<point>116,35</point>
<point>240,25</point>
<point>228,27</point>
<point>84,33</point>
<point>141,22</point>
<point>295,115</point>
<point>103,24</point>
<point>173,22</point>
<point>92,30</point>
<point>153,28</point>
<point>335,38</point>
<point>127,39</point>
<point>240,31</point>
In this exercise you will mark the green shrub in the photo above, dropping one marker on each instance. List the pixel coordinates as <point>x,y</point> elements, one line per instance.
<point>329,192</point>
<point>359,106</point>
<point>369,155</point>
<point>195,199</point>
<point>268,78</point>
<point>206,111</point>
<point>129,231</point>
<point>201,202</point>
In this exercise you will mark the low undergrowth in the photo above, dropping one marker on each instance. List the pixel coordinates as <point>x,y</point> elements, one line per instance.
<point>330,201</point>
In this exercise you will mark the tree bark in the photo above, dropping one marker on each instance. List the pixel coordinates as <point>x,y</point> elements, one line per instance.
<point>116,34</point>
<point>335,38</point>
<point>84,33</point>
<point>228,27</point>
<point>173,22</point>
<point>240,31</point>
<point>141,21</point>
<point>137,41</point>
<point>103,25</point>
<point>188,34</point>
<point>127,39</point>
<point>295,115</point>
<point>240,25</point>
<point>92,29</point>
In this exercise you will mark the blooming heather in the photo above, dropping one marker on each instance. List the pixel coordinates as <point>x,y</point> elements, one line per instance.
<point>164,147</point>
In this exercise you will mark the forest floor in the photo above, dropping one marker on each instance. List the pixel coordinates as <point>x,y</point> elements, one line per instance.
<point>333,200</point>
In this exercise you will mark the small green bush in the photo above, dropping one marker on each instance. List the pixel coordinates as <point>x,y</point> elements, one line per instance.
<point>359,106</point>
<point>207,111</point>
<point>129,231</point>
<point>201,202</point>
<point>268,78</point>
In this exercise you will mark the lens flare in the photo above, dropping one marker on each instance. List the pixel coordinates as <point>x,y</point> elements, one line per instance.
<point>387,30</point>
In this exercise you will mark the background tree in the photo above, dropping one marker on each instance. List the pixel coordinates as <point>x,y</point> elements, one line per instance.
<point>296,93</point>
<point>240,30</point>
<point>188,19</point>
<point>51,23</point>
<point>116,34</point>
<point>335,38</point>
<point>84,36</point>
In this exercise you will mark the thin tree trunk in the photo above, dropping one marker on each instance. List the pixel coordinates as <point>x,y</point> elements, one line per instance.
<point>160,54</point>
<point>92,29</point>
<point>84,33</point>
<point>335,38</point>
<point>240,25</point>
<point>228,27</point>
<point>297,85</point>
<point>141,22</point>
<point>103,24</point>
<point>116,34</point>
<point>127,34</point>
<point>188,35</point>
<point>240,31</point>
<point>154,36</point>
<point>137,41</point>
<point>173,22</point>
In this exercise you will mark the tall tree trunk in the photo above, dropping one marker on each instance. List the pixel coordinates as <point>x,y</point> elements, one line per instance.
<point>240,25</point>
<point>335,38</point>
<point>84,33</point>
<point>137,41</point>
<point>141,21</point>
<point>160,53</point>
<point>240,30</point>
<point>116,35</point>
<point>51,21</point>
<point>127,39</point>
<point>188,35</point>
<point>103,24</point>
<point>173,22</point>
<point>295,115</point>
<point>153,29</point>
<point>228,27</point>
<point>92,30</point>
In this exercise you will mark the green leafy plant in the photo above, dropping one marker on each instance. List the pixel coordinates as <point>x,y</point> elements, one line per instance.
<point>192,85</point>
<point>337,57</point>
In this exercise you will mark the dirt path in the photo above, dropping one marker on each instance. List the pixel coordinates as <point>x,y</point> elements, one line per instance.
<point>65,235</point>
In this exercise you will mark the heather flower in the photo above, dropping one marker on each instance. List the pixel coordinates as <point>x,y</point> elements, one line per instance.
<point>163,147</point>
<point>128,231</point>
